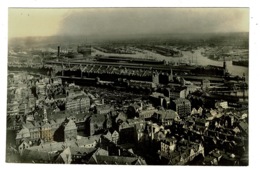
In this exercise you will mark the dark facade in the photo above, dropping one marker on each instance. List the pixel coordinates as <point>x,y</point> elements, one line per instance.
<point>97,123</point>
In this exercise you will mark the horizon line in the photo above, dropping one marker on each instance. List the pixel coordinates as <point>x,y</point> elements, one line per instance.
<point>67,35</point>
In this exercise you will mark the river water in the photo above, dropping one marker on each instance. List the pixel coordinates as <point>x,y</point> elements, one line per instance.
<point>197,58</point>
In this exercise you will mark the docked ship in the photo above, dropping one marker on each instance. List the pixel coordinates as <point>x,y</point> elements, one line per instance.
<point>85,50</point>
<point>240,63</point>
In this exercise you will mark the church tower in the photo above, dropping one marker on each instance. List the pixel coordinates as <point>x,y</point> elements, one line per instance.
<point>45,119</point>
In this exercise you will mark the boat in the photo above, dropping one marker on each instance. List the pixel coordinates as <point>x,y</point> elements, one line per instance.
<point>240,63</point>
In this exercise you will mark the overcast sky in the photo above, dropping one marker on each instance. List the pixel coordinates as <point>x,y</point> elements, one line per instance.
<point>117,21</point>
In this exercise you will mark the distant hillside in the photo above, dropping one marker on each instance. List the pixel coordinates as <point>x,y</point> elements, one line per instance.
<point>214,38</point>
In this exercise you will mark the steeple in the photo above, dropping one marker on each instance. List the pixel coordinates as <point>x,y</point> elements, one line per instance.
<point>45,119</point>
<point>224,65</point>
<point>171,76</point>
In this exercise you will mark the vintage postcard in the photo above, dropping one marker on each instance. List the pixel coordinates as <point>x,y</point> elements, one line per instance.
<point>128,86</point>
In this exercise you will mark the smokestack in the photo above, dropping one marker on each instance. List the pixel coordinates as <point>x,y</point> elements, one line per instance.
<point>58,55</point>
<point>119,152</point>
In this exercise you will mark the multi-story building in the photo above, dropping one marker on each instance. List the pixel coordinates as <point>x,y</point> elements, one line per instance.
<point>77,104</point>
<point>84,104</point>
<point>168,145</point>
<point>131,131</point>
<point>175,92</point>
<point>115,137</point>
<point>13,108</point>
<point>95,124</point>
<point>23,134</point>
<point>70,130</point>
<point>166,117</point>
<point>46,132</point>
<point>34,129</point>
<point>182,153</point>
<point>181,106</point>
<point>112,136</point>
<point>157,98</point>
<point>31,102</point>
<point>37,130</point>
<point>72,104</point>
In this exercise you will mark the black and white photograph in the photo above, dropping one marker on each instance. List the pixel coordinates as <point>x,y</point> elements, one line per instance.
<point>128,86</point>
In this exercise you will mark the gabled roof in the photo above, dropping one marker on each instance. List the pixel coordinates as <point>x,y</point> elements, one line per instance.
<point>140,162</point>
<point>65,156</point>
<point>103,107</point>
<point>52,122</point>
<point>114,133</point>
<point>167,114</point>
<point>81,97</point>
<point>116,160</point>
<point>97,118</point>
<point>243,126</point>
<point>124,125</point>
<point>108,135</point>
<point>24,142</point>
<point>171,159</point>
<point>70,125</point>
<point>81,116</point>
<point>150,111</point>
<point>181,101</point>
<point>121,116</point>
<point>36,124</point>
<point>35,155</point>
<point>28,125</point>
<point>58,146</point>
<point>24,132</point>
<point>134,121</point>
<point>175,160</point>
<point>46,125</point>
<point>170,114</point>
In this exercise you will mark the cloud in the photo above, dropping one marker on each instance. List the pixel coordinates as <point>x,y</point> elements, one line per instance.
<point>154,20</point>
<point>118,21</point>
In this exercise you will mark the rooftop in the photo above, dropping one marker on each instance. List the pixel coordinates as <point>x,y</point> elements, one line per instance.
<point>181,101</point>
<point>58,146</point>
<point>118,160</point>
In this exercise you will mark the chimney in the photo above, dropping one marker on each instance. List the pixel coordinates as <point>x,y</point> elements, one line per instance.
<point>152,135</point>
<point>100,140</point>
<point>58,55</point>
<point>119,152</point>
